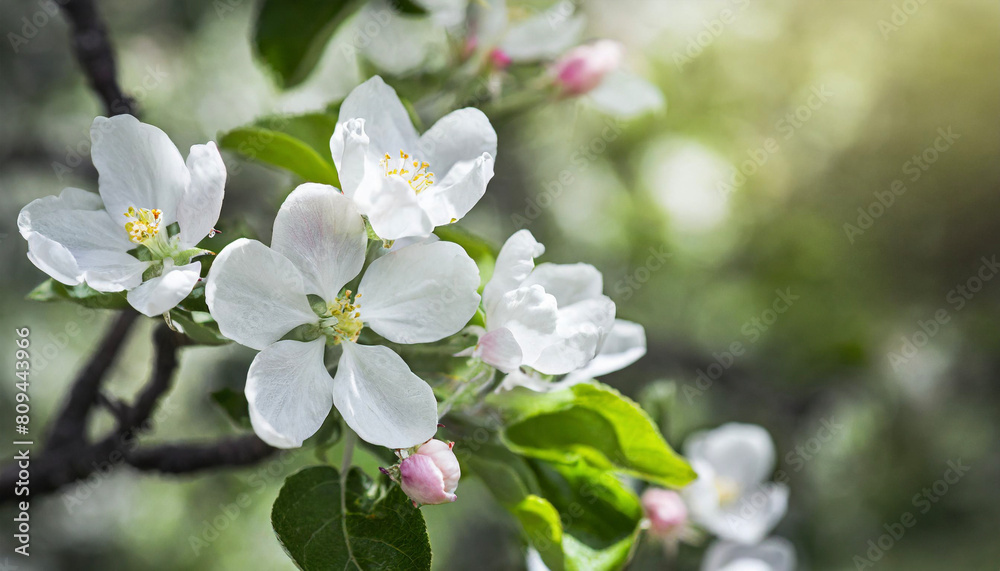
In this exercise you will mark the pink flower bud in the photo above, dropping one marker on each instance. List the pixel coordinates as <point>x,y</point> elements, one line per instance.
<point>499,58</point>
<point>582,68</point>
<point>666,512</point>
<point>430,475</point>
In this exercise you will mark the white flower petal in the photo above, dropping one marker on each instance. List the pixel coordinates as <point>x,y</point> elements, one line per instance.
<point>71,239</point>
<point>321,232</point>
<point>160,294</point>
<point>514,263</point>
<point>742,453</point>
<point>581,328</point>
<point>289,391</point>
<point>387,123</point>
<point>349,147</point>
<point>531,316</point>
<point>256,294</point>
<point>489,19</point>
<point>569,283</point>
<point>138,166</point>
<point>392,208</point>
<point>452,197</point>
<point>460,136</point>
<point>624,345</point>
<point>626,95</point>
<point>201,204</point>
<point>772,554</point>
<point>499,349</point>
<point>381,399</point>
<point>750,518</point>
<point>420,293</point>
<point>544,36</point>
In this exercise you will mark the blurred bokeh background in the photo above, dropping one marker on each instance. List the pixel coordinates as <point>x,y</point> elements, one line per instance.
<point>742,227</point>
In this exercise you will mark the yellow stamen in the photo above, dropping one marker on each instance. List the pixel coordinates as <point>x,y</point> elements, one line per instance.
<point>419,179</point>
<point>143,224</point>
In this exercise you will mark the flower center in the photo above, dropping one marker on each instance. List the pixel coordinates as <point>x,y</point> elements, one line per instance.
<point>412,170</point>
<point>143,224</point>
<point>342,320</point>
<point>728,490</point>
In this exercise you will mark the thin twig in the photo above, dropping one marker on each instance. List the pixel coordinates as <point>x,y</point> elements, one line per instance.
<point>70,424</point>
<point>93,51</point>
<point>195,457</point>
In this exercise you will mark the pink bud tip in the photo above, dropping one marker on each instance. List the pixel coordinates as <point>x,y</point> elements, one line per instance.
<point>582,68</point>
<point>666,511</point>
<point>499,58</point>
<point>431,474</point>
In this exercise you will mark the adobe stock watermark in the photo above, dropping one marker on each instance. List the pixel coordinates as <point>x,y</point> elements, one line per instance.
<point>901,14</point>
<point>580,160</point>
<point>752,329</point>
<point>75,154</point>
<point>914,168</point>
<point>711,30</point>
<point>33,23</point>
<point>924,500</point>
<point>956,298</point>
<point>786,128</point>
<point>627,286</point>
<point>211,529</point>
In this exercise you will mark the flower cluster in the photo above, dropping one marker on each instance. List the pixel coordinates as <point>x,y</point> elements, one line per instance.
<point>732,498</point>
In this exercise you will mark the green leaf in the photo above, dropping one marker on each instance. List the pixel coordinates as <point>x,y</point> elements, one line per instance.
<point>51,290</point>
<point>289,35</point>
<point>594,423</point>
<point>600,517</point>
<point>379,529</point>
<point>297,143</point>
<point>199,326</point>
<point>234,405</point>
<point>540,521</point>
<point>408,7</point>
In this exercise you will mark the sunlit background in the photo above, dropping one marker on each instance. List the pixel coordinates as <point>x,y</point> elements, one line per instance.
<point>743,227</point>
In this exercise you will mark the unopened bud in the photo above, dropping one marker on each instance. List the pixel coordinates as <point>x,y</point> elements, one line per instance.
<point>431,474</point>
<point>666,512</point>
<point>582,68</point>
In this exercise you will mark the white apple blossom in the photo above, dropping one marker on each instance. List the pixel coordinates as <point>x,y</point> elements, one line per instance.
<point>402,43</point>
<point>772,554</point>
<point>624,345</point>
<point>405,183</point>
<point>733,496</point>
<point>591,69</point>
<point>120,240</point>
<point>552,318</point>
<point>258,294</point>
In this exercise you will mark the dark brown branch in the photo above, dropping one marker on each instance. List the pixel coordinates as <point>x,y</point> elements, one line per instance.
<point>93,51</point>
<point>70,425</point>
<point>193,457</point>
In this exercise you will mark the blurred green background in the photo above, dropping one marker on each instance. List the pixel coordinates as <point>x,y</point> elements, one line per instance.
<point>835,99</point>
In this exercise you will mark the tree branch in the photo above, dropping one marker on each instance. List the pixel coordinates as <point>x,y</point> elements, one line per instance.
<point>93,51</point>
<point>70,425</point>
<point>194,457</point>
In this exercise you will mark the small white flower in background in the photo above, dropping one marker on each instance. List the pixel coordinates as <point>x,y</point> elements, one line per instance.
<point>552,318</point>
<point>666,513</point>
<point>592,69</point>
<point>417,294</point>
<point>405,183</point>
<point>772,554</point>
<point>430,475</point>
<point>119,240</point>
<point>509,36</point>
<point>733,496</point>
<point>595,70</point>
<point>401,43</point>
